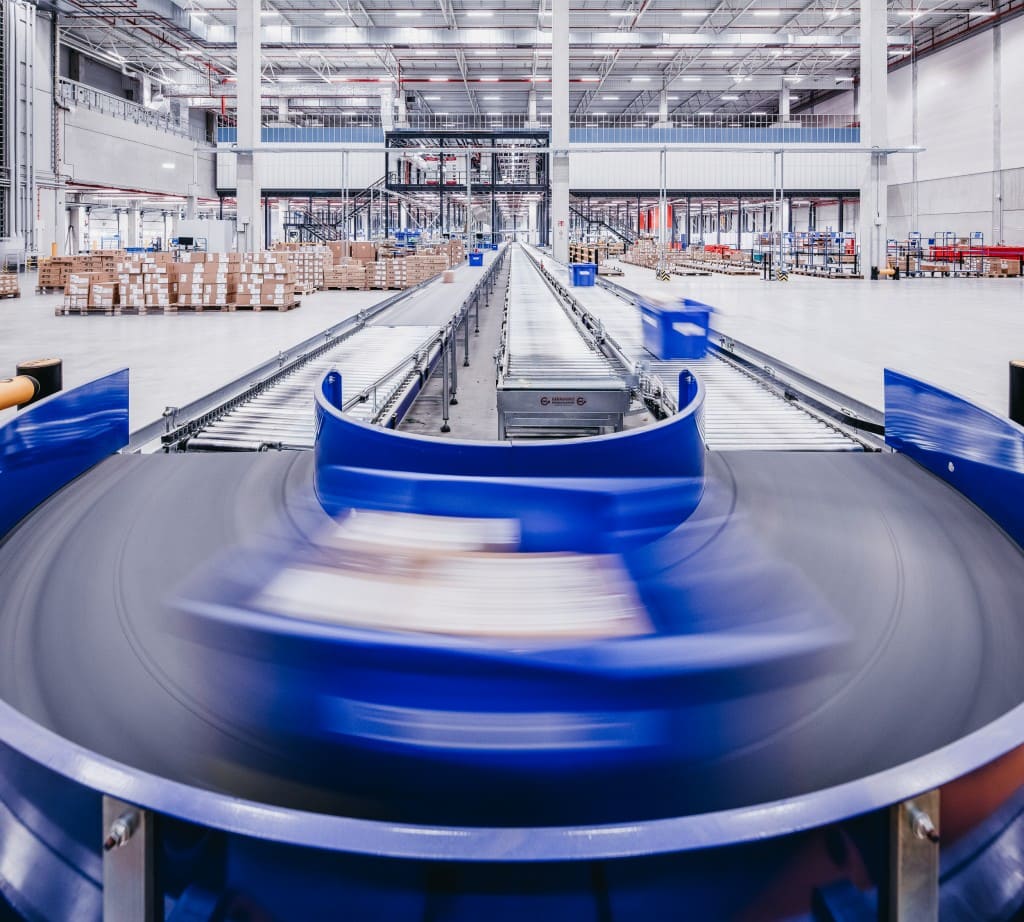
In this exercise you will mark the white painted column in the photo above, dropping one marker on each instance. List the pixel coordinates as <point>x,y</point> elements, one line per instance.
<point>874,133</point>
<point>250,210</point>
<point>784,102</point>
<point>403,115</point>
<point>560,129</point>
<point>531,107</point>
<point>132,232</point>
<point>75,241</point>
<point>190,207</point>
<point>387,107</point>
<point>61,222</point>
<point>663,108</point>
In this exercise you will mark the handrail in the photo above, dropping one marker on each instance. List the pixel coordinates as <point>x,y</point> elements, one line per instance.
<point>72,93</point>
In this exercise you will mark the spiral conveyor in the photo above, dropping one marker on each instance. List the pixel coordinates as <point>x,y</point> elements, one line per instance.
<point>601,678</point>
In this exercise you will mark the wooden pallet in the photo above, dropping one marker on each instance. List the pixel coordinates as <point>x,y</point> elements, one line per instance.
<point>810,273</point>
<point>345,288</point>
<point>10,294</point>
<point>47,289</point>
<point>199,308</point>
<point>256,308</point>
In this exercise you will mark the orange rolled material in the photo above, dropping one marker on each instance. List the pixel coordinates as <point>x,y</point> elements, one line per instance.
<point>19,390</point>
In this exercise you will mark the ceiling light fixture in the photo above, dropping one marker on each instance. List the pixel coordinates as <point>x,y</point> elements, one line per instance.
<point>609,98</point>
<point>730,98</point>
<point>479,14</point>
<point>438,79</point>
<point>488,79</point>
<point>767,12</point>
<point>407,14</point>
<point>721,52</point>
<point>692,79</point>
<point>640,79</point>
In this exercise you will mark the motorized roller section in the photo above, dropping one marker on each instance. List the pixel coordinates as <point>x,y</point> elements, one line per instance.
<point>551,377</point>
<point>741,410</point>
<point>383,356</point>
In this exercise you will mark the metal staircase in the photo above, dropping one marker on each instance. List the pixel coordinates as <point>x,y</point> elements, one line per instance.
<point>621,231</point>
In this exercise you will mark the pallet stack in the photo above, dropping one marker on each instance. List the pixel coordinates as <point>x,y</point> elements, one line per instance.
<point>54,273</point>
<point>309,262</point>
<point>349,275</point>
<point>9,286</point>
<point>422,268</point>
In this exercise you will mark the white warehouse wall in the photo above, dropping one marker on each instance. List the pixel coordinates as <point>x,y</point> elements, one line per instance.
<point>106,151</point>
<point>714,169</point>
<point>970,176</point>
<point>304,169</point>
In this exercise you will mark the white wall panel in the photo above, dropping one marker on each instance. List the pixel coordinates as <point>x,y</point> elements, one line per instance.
<point>840,104</point>
<point>739,169</point>
<point>1012,80</point>
<point>42,99</point>
<point>901,134</point>
<point>954,90</point>
<point>106,151</point>
<point>304,169</point>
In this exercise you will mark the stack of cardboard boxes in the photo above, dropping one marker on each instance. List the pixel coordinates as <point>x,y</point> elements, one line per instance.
<point>76,292</point>
<point>142,281</point>
<point>380,274</point>
<point>348,274</point>
<point>9,287</point>
<point>422,268</point>
<point>309,263</point>
<point>456,252</point>
<point>53,273</point>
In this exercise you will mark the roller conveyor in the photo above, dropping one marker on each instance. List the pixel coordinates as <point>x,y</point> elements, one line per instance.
<point>549,376</point>
<point>377,362</point>
<point>740,411</point>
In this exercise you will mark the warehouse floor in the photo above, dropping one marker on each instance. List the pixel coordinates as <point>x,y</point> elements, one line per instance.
<point>174,358</point>
<point>956,333</point>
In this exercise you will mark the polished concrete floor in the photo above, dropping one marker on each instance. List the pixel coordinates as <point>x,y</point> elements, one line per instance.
<point>959,334</point>
<point>174,358</point>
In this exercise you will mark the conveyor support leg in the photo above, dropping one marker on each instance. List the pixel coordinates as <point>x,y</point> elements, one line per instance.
<point>913,861</point>
<point>129,865</point>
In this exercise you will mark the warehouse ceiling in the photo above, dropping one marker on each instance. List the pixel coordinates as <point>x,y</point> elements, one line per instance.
<point>484,57</point>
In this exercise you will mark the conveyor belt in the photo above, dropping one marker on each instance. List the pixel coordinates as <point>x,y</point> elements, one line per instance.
<point>541,341</point>
<point>283,415</point>
<point>739,411</point>
<point>550,378</point>
<point>377,359</point>
<point>930,589</point>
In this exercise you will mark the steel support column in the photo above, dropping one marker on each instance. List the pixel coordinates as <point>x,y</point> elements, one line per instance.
<point>249,75</point>
<point>874,133</point>
<point>560,129</point>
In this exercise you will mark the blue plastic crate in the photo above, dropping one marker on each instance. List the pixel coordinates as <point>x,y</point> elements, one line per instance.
<point>584,275</point>
<point>676,331</point>
<point>476,259</point>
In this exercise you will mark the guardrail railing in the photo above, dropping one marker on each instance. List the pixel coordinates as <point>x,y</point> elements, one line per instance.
<point>72,93</point>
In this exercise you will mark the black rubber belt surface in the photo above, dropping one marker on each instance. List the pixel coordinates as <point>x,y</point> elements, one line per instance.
<point>931,590</point>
